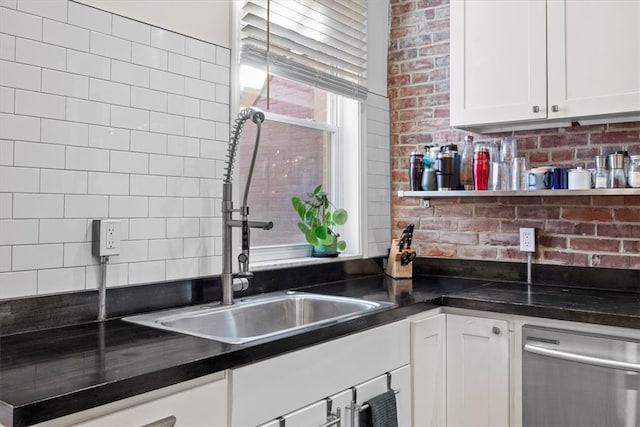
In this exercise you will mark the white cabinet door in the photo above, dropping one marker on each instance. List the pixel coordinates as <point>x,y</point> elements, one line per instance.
<point>594,57</point>
<point>477,372</point>
<point>428,364</point>
<point>498,61</point>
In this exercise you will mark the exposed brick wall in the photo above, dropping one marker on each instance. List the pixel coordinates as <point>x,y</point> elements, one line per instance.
<point>581,231</point>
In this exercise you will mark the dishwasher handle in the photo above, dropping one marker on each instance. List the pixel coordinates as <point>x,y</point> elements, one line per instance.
<point>581,358</point>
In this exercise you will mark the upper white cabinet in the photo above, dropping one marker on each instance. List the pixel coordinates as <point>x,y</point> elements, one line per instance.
<point>528,64</point>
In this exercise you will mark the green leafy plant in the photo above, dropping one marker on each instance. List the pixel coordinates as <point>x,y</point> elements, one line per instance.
<point>318,216</point>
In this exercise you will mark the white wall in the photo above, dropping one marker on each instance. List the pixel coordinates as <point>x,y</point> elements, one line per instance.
<point>103,116</point>
<point>207,20</point>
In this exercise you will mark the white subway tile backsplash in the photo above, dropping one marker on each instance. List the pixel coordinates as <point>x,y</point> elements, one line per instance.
<point>123,161</point>
<point>146,272</point>
<point>200,89</point>
<point>166,249</point>
<point>32,257</point>
<point>109,92</point>
<point>18,284</point>
<point>106,117</point>
<point>25,180</point>
<point>64,230</point>
<point>149,142</point>
<point>183,227</point>
<point>201,168</point>
<point>148,185</point>
<point>166,165</point>
<point>89,17</point>
<point>52,9</point>
<point>78,254</point>
<point>36,154</point>
<point>201,207</point>
<point>67,133</point>
<point>112,47</point>
<point>88,64</point>
<point>65,35</point>
<point>214,111</point>
<point>199,128</point>
<point>167,123</point>
<point>130,118</point>
<point>166,82</point>
<point>149,56</point>
<point>131,30</point>
<point>184,65</point>
<point>183,187</point>
<point>5,260</point>
<point>183,146</point>
<point>79,110</point>
<point>168,207</point>
<point>222,94</point>
<point>63,181</point>
<point>61,83</point>
<point>38,205</point>
<point>6,152</point>
<point>7,47</point>
<point>20,24</point>
<point>134,251</point>
<point>215,73</point>
<point>199,246</point>
<point>38,104</point>
<point>81,158</point>
<point>223,56</point>
<point>109,137</point>
<point>40,54</point>
<point>61,280</point>
<point>7,100</point>
<point>201,50</point>
<point>183,106</point>
<point>147,228</point>
<point>124,72</point>
<point>128,207</point>
<point>213,149</point>
<point>210,227</point>
<point>19,76</point>
<point>184,268</point>
<point>148,99</point>
<point>18,232</point>
<point>86,206</point>
<point>6,205</point>
<point>167,40</point>
<point>108,183</point>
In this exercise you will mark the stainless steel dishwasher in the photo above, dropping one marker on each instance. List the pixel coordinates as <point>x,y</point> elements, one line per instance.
<point>577,379</point>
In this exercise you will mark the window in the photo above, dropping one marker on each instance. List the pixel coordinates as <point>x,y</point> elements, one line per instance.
<point>312,103</point>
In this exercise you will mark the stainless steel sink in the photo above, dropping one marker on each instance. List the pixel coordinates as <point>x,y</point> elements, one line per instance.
<point>258,317</point>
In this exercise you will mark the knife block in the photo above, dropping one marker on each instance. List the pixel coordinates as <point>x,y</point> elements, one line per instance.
<point>395,268</point>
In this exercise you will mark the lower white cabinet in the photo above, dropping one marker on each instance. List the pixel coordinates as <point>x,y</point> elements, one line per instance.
<point>460,371</point>
<point>197,403</point>
<point>295,386</point>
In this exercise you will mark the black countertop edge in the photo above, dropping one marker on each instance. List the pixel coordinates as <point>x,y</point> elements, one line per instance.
<point>83,399</point>
<point>411,296</point>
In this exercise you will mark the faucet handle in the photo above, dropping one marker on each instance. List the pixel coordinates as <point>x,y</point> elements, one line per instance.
<point>241,283</point>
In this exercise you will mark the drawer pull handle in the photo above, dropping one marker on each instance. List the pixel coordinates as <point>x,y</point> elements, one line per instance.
<point>496,330</point>
<point>536,109</point>
<point>163,422</point>
<point>555,108</point>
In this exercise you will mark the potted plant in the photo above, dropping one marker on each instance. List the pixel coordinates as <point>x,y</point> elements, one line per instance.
<point>318,217</point>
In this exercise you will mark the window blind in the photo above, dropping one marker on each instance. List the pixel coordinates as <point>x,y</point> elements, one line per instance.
<point>321,43</point>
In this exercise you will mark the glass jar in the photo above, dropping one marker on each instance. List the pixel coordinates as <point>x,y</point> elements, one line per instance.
<point>634,172</point>
<point>601,173</point>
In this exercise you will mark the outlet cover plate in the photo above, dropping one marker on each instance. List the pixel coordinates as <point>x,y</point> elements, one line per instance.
<point>528,239</point>
<point>106,237</point>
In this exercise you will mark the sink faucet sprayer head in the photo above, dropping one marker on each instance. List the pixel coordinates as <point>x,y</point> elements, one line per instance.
<point>250,113</point>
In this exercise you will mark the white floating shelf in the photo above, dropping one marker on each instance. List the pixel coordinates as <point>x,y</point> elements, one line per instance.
<point>522,193</point>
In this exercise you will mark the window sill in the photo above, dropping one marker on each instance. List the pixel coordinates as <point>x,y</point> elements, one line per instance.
<point>296,262</point>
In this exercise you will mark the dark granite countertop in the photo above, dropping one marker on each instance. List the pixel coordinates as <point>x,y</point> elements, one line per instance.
<point>51,373</point>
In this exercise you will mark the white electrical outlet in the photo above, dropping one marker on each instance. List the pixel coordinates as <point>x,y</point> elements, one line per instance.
<point>528,239</point>
<point>106,237</point>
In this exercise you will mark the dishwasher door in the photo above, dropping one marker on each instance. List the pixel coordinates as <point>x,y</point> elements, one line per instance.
<point>577,379</point>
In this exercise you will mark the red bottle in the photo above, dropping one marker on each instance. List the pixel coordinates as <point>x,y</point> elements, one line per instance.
<point>481,168</point>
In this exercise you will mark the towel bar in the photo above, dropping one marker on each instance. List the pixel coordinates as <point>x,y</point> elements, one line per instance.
<point>366,405</point>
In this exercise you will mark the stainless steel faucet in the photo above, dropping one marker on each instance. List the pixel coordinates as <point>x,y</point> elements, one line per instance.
<point>240,281</point>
